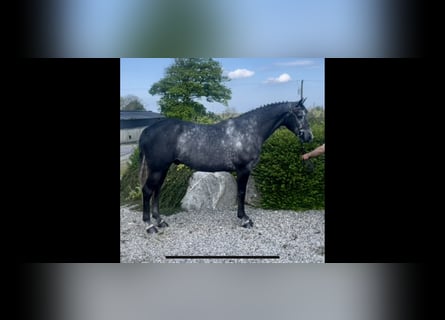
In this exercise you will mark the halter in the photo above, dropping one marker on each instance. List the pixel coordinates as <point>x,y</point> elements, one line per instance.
<point>307,164</point>
<point>300,126</point>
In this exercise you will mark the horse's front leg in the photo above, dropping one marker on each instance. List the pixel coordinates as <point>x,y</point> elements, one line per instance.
<point>242,177</point>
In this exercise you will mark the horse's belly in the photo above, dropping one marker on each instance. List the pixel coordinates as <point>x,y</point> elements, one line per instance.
<point>208,161</point>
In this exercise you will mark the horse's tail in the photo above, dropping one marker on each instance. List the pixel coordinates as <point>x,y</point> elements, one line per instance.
<point>143,168</point>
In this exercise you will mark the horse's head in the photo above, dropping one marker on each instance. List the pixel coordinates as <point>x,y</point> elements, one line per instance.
<point>296,121</point>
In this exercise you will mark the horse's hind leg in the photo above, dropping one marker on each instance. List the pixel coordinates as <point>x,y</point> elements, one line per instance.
<point>147,191</point>
<point>242,177</point>
<point>147,185</point>
<point>152,187</point>
<point>157,192</point>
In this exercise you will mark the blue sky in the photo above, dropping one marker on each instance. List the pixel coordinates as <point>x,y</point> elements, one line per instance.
<point>254,81</point>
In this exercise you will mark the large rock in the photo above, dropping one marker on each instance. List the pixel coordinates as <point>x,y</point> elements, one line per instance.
<point>216,190</point>
<point>253,196</point>
<point>208,190</point>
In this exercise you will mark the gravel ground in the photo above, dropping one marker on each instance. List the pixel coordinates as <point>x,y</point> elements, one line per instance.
<point>293,236</point>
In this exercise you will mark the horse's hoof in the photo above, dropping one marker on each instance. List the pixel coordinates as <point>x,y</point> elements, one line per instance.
<point>151,229</point>
<point>162,224</point>
<point>247,224</point>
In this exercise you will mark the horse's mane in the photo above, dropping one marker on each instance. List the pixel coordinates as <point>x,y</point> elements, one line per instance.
<point>264,108</point>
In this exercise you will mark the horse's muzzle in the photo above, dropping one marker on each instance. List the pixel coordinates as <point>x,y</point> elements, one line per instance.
<point>305,135</point>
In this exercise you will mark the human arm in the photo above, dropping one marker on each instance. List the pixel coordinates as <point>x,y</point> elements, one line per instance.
<point>314,153</point>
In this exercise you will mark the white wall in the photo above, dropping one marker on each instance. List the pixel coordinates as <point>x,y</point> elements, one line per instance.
<point>131,135</point>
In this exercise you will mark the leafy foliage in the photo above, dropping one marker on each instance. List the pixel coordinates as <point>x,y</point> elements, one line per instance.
<point>185,81</point>
<point>130,187</point>
<point>174,188</point>
<point>284,180</point>
<point>134,106</point>
<point>131,103</point>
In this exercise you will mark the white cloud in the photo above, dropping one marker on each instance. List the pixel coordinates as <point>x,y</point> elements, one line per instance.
<point>296,63</point>
<point>281,79</point>
<point>240,73</point>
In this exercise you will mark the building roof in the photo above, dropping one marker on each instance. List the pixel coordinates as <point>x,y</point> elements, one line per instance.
<point>133,115</point>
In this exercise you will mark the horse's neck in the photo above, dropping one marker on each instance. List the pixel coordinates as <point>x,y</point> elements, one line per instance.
<point>269,122</point>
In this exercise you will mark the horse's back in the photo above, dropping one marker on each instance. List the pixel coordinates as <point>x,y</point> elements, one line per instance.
<point>156,131</point>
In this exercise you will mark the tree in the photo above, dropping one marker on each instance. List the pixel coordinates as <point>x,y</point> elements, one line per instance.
<point>131,103</point>
<point>316,115</point>
<point>188,80</point>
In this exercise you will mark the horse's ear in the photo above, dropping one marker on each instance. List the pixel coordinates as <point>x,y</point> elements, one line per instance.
<point>303,100</point>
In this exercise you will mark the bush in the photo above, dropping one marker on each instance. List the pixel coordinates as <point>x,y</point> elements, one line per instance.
<point>172,191</point>
<point>283,179</point>
<point>130,189</point>
<point>174,188</point>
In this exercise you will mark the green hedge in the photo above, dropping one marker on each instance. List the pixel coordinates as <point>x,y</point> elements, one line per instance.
<point>283,179</point>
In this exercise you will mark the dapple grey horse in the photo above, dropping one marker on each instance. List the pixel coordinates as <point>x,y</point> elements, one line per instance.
<point>232,145</point>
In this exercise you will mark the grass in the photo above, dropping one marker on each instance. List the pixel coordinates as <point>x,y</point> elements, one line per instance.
<point>123,168</point>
